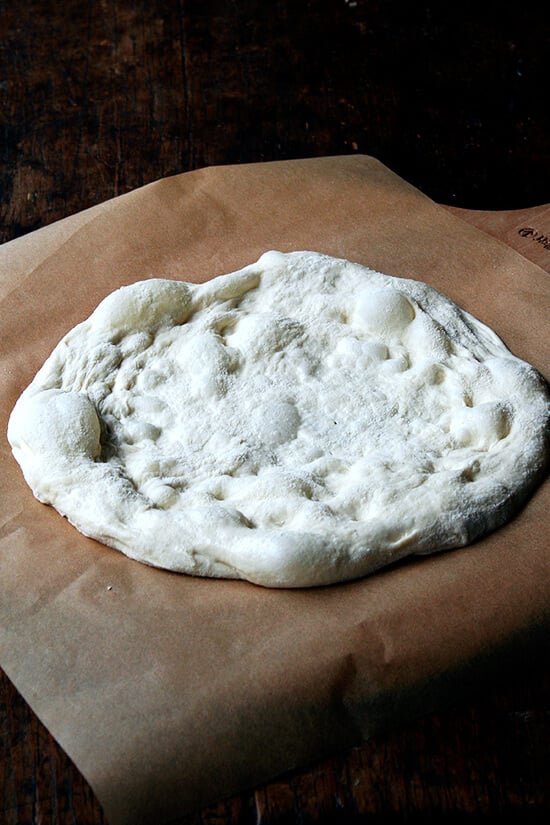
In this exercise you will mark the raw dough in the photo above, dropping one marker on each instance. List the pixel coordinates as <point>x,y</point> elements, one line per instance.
<point>302,421</point>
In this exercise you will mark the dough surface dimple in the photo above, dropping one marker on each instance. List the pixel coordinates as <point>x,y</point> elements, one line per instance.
<point>481,426</point>
<point>302,421</point>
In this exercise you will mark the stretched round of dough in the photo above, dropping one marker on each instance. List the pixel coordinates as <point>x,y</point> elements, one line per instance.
<point>303,421</point>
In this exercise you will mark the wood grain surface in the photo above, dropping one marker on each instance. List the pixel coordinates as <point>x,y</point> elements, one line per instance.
<point>102,96</point>
<point>98,97</point>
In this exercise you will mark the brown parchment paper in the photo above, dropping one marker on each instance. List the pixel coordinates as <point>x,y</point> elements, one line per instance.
<point>170,692</point>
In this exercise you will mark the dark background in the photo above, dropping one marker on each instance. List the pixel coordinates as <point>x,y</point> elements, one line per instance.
<point>100,97</point>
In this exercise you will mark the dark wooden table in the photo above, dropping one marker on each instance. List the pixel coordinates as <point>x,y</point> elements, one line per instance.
<point>100,97</point>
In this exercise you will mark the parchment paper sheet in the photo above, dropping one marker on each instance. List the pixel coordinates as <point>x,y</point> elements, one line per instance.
<point>170,692</point>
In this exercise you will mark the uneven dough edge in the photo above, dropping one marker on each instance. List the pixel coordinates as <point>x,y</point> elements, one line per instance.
<point>64,474</point>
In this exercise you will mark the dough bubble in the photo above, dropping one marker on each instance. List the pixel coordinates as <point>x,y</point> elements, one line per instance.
<point>385,311</point>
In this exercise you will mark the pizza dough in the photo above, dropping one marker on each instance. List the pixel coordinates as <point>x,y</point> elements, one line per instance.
<point>302,421</point>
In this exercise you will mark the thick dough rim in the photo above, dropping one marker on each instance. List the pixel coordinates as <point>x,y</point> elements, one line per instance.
<point>60,438</point>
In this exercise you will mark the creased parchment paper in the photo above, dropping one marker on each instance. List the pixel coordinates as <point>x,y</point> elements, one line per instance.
<point>170,692</point>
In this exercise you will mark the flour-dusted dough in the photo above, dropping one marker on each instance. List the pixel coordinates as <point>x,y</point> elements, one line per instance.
<point>302,421</point>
